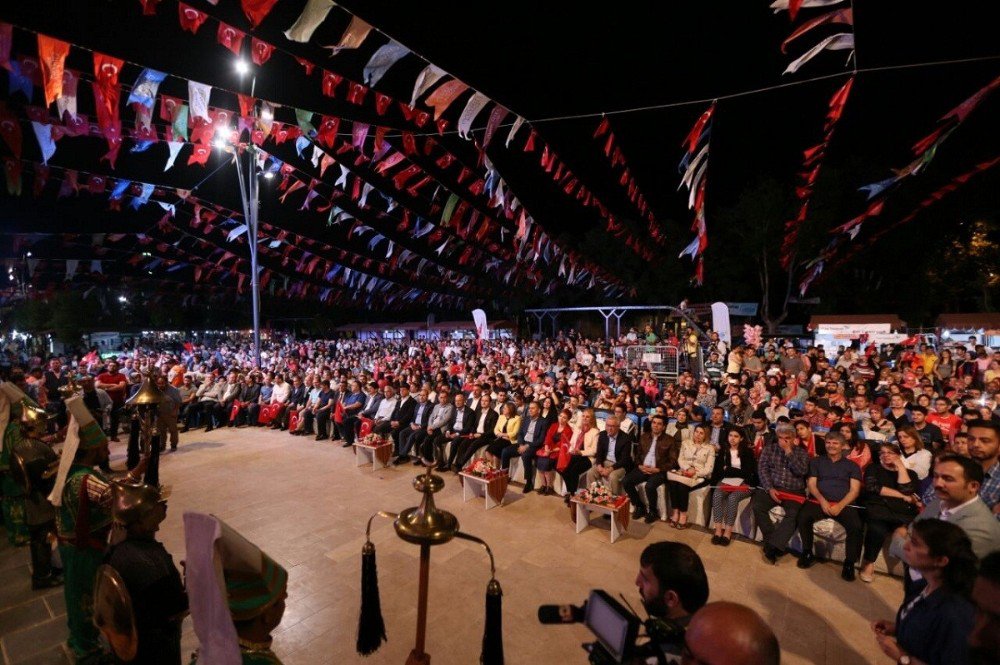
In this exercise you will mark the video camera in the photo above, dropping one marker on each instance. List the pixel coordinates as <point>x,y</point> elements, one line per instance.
<point>616,628</point>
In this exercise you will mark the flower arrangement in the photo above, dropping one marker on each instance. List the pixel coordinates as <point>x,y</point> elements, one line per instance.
<point>483,468</point>
<point>374,440</point>
<point>597,493</point>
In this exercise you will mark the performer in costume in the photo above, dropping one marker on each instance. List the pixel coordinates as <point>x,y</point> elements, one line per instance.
<point>12,504</point>
<point>154,586</point>
<point>82,497</point>
<point>31,461</point>
<point>235,615</point>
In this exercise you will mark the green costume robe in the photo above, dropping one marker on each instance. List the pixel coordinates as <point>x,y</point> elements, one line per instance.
<point>82,522</point>
<point>13,494</point>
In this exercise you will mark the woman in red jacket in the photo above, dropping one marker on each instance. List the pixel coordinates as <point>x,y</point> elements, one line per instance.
<point>559,432</point>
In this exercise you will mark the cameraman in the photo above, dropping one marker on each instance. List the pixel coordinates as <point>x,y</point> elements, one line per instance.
<point>673,586</point>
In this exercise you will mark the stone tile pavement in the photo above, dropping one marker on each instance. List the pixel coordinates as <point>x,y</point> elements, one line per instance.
<point>306,504</point>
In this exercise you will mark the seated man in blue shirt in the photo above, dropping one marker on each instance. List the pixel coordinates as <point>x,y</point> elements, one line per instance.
<point>835,482</point>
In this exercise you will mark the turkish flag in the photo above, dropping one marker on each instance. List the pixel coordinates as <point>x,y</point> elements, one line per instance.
<point>190,18</point>
<point>149,7</point>
<point>200,155</point>
<point>256,10</point>
<point>10,130</point>
<point>330,82</point>
<point>106,70</point>
<point>308,66</point>
<point>327,132</point>
<point>96,184</point>
<point>230,37</point>
<point>106,90</point>
<point>260,51</point>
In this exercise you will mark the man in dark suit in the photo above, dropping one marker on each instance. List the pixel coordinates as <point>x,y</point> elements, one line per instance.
<point>530,438</point>
<point>758,432</point>
<point>411,436</point>
<point>401,416</point>
<point>459,427</point>
<point>297,399</point>
<point>718,428</point>
<point>484,421</point>
<point>614,456</point>
<point>657,454</point>
<point>373,398</point>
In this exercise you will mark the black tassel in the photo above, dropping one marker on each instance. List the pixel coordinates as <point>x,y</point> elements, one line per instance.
<point>133,454</point>
<point>493,632</point>
<point>152,476</point>
<point>371,625</point>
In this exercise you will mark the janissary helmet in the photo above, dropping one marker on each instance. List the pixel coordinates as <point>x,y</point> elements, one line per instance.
<point>131,502</point>
<point>227,577</point>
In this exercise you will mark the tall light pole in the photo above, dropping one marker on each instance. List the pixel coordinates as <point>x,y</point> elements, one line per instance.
<point>249,190</point>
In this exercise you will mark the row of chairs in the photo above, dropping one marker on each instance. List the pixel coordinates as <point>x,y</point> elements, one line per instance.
<point>830,537</point>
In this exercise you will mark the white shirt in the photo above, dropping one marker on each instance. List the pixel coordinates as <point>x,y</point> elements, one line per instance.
<point>279,394</point>
<point>651,455</point>
<point>734,458</point>
<point>948,512</point>
<point>459,417</point>
<point>482,423</point>
<point>385,409</point>
<point>612,440</point>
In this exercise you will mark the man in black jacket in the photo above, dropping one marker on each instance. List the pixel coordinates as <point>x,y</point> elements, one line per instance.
<point>758,432</point>
<point>401,417</point>
<point>459,427</point>
<point>297,399</point>
<point>615,456</point>
<point>484,421</point>
<point>413,433</point>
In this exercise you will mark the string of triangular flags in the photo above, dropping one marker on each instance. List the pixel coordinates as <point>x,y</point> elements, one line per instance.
<point>817,267</point>
<point>207,218</point>
<point>202,120</point>
<point>842,16</point>
<point>616,157</point>
<point>693,168</point>
<point>812,162</point>
<point>439,100</point>
<point>924,151</point>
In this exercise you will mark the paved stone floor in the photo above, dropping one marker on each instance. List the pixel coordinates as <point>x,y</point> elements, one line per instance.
<point>305,503</point>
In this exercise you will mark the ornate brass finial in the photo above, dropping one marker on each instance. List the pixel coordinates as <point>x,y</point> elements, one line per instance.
<point>426,524</point>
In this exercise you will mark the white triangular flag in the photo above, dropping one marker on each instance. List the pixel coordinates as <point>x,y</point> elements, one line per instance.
<point>475,104</point>
<point>307,22</point>
<point>174,147</point>
<point>198,96</point>
<point>430,75</point>
<point>837,42</point>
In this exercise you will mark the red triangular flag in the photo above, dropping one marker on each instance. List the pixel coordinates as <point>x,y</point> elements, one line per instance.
<point>260,51</point>
<point>190,18</point>
<point>256,10</point>
<point>230,37</point>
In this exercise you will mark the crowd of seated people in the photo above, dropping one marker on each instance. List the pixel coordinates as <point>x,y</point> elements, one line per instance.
<point>875,439</point>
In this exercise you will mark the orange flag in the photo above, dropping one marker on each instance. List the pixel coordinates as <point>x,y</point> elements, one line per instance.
<point>441,99</point>
<point>52,55</point>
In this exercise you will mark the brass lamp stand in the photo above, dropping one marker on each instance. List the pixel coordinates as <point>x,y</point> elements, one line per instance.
<point>145,406</point>
<point>425,525</point>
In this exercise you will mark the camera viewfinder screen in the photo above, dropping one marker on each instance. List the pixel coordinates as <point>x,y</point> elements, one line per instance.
<point>610,627</point>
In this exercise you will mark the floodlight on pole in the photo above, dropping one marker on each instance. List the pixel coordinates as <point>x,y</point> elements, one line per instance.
<point>242,67</point>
